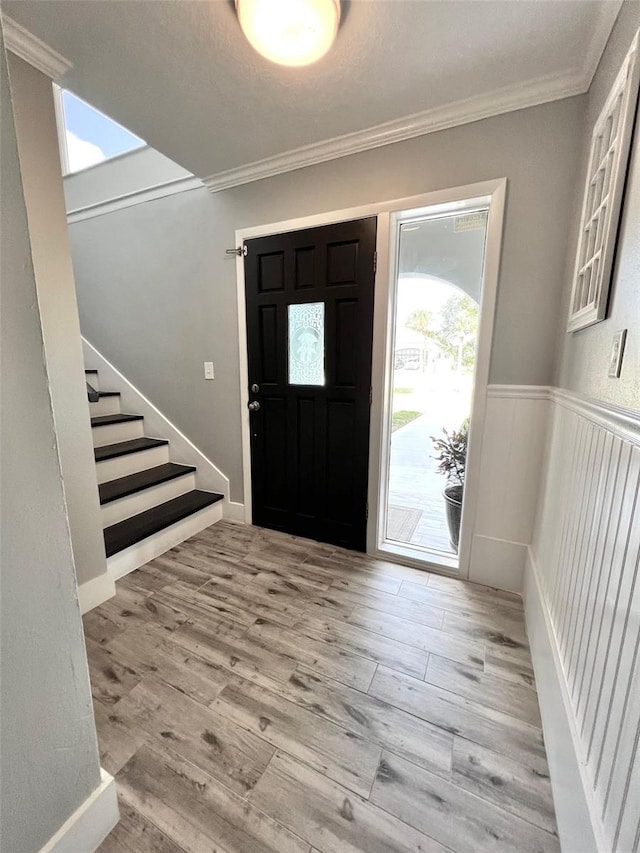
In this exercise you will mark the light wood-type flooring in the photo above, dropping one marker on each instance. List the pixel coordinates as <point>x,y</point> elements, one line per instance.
<point>259,693</point>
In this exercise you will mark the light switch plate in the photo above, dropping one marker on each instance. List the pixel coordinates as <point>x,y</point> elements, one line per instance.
<point>617,352</point>
<point>208,370</point>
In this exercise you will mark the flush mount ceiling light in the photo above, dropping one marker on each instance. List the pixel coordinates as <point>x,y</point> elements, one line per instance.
<point>290,32</point>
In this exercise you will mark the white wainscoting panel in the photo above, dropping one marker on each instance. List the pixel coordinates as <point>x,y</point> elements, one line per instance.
<point>585,558</point>
<point>512,455</point>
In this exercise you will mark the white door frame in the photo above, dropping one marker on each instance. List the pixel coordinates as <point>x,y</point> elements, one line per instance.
<point>494,191</point>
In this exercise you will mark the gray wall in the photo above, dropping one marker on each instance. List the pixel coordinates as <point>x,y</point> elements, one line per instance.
<point>157,295</point>
<point>137,170</point>
<point>49,756</point>
<point>583,357</point>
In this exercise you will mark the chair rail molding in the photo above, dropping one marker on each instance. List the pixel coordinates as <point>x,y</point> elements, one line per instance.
<point>111,205</point>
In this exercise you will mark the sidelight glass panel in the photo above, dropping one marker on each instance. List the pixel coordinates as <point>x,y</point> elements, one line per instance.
<point>306,344</point>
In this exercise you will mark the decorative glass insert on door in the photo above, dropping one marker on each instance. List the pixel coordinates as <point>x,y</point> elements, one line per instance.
<point>306,344</point>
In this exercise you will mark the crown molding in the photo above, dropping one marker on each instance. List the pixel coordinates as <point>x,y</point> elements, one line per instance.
<point>539,91</point>
<point>509,99</point>
<point>34,51</point>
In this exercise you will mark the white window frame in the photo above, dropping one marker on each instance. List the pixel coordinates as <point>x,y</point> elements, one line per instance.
<point>602,199</point>
<point>62,134</point>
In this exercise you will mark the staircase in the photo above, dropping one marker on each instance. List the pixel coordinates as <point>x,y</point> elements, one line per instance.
<point>148,503</point>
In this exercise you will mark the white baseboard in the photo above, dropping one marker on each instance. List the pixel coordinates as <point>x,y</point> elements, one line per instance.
<point>234,511</point>
<point>574,805</point>
<point>137,555</point>
<point>91,822</point>
<point>497,562</point>
<point>96,591</point>
<point>209,477</point>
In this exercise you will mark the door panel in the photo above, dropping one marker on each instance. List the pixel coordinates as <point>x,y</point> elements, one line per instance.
<point>309,297</point>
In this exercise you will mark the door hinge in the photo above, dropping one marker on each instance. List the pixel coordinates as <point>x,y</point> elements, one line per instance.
<point>370,396</point>
<point>366,511</point>
<point>375,262</point>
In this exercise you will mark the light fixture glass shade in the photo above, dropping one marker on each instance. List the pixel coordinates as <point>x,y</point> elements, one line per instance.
<point>290,32</point>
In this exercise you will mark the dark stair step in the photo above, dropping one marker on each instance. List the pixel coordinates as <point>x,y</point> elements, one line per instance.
<point>122,448</point>
<point>90,371</point>
<point>108,394</point>
<point>141,480</point>
<point>126,533</point>
<point>106,420</point>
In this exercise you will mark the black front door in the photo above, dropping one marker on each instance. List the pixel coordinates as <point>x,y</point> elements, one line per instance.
<point>309,301</point>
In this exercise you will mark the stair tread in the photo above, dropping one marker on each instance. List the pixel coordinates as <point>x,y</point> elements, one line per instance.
<point>106,420</point>
<point>108,393</point>
<point>141,480</point>
<point>122,448</point>
<point>126,533</point>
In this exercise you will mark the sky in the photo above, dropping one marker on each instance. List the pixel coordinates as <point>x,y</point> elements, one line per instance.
<point>91,136</point>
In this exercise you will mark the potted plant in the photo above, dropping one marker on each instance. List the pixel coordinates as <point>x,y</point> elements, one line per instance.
<point>451,455</point>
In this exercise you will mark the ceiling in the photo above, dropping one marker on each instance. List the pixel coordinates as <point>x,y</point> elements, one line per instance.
<point>182,76</point>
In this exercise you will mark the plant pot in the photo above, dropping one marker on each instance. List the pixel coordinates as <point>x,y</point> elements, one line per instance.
<point>453,503</point>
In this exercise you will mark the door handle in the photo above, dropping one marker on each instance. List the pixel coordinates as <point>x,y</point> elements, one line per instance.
<point>254,406</point>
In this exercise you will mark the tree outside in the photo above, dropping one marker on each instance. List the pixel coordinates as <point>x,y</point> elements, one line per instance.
<point>455,333</point>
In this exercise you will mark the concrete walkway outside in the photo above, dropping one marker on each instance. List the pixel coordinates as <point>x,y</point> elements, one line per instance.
<point>414,482</point>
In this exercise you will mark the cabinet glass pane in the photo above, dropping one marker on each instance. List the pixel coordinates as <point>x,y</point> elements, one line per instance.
<point>306,344</point>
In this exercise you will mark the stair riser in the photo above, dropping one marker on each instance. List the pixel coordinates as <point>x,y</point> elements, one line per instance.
<point>126,561</point>
<point>111,469</point>
<point>105,406</point>
<point>113,433</point>
<point>147,498</point>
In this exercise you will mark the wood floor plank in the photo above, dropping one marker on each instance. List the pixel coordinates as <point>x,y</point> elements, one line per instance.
<point>197,812</point>
<point>523,790</point>
<point>503,695</point>
<point>457,715</point>
<point>431,640</point>
<point>167,568</point>
<point>351,561</point>
<point>492,632</point>
<point>500,662</point>
<point>118,736</point>
<point>488,595</point>
<point>130,607</point>
<point>508,619</point>
<point>456,818</point>
<point>135,834</point>
<point>110,680</point>
<point>240,655</point>
<point>344,601</point>
<point>331,817</point>
<point>289,580</point>
<point>341,754</point>
<point>151,655</point>
<point>276,604</point>
<point>211,565</point>
<point>358,641</point>
<point>251,689</point>
<point>389,727</point>
<point>212,742</point>
<point>198,604</point>
<point>318,655</point>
